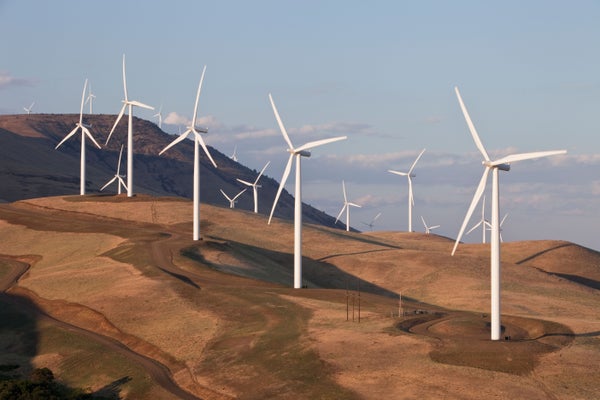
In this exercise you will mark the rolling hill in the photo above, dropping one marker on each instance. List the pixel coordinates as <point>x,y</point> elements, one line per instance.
<point>30,167</point>
<point>114,295</point>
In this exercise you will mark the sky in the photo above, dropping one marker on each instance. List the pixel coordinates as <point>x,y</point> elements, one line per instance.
<point>382,73</point>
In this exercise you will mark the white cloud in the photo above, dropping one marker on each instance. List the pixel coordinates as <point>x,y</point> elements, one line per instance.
<point>7,80</point>
<point>174,118</point>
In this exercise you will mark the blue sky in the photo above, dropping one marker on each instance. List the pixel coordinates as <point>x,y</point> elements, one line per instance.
<point>381,73</point>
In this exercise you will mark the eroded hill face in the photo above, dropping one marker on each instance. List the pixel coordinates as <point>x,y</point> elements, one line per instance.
<point>30,167</point>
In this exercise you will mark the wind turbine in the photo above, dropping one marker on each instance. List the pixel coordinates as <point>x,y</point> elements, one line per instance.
<point>297,153</point>
<point>159,115</point>
<point>501,223</point>
<point>129,104</point>
<point>28,109</point>
<point>485,225</point>
<point>198,141</point>
<point>117,176</point>
<point>409,175</point>
<point>428,229</point>
<point>346,207</point>
<point>493,166</point>
<point>84,132</point>
<point>372,223</point>
<point>255,185</point>
<point>90,98</point>
<point>233,200</point>
<point>234,155</point>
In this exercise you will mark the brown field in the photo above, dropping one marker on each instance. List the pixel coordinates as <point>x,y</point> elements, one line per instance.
<point>217,318</point>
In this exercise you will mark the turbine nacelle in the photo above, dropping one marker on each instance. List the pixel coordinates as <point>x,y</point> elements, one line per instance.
<point>502,167</point>
<point>302,153</point>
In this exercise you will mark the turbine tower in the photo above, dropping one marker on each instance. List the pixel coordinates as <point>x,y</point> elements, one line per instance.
<point>409,175</point>
<point>198,141</point>
<point>346,207</point>
<point>493,166</point>
<point>233,200</point>
<point>117,177</point>
<point>129,104</point>
<point>84,132</point>
<point>297,153</point>
<point>255,185</point>
<point>428,229</point>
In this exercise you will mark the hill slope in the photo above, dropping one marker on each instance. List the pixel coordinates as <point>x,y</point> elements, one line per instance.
<point>30,167</point>
<point>219,313</point>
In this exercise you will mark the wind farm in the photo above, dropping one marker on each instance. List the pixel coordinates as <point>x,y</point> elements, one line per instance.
<point>238,282</point>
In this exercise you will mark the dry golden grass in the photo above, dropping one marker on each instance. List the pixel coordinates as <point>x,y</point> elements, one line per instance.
<point>228,331</point>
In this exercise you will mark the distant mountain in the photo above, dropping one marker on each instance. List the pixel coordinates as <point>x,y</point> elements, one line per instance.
<point>30,167</point>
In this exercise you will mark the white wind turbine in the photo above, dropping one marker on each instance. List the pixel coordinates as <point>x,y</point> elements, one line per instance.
<point>500,229</point>
<point>117,177</point>
<point>159,115</point>
<point>346,207</point>
<point>129,104</point>
<point>198,141</point>
<point>233,200</point>
<point>90,98</point>
<point>84,132</point>
<point>234,155</point>
<point>494,166</point>
<point>409,175</point>
<point>428,229</point>
<point>484,223</point>
<point>297,153</point>
<point>255,185</point>
<point>372,223</point>
<point>28,109</point>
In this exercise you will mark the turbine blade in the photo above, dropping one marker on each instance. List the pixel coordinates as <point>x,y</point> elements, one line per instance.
<point>261,172</point>
<point>415,163</point>
<point>140,104</point>
<point>239,194</point>
<point>471,126</point>
<point>88,134</point>
<point>122,182</point>
<point>201,141</point>
<point>474,202</point>
<point>527,156</point>
<point>354,205</point>
<point>116,122</point>
<point>67,137</point>
<point>340,214</point>
<point>119,164</point>
<point>474,227</point>
<point>281,127</point>
<point>321,142</point>
<point>377,216</point>
<point>435,226</point>
<point>108,183</point>
<point>244,182</point>
<point>198,97</point>
<point>286,172</point>
<point>424,224</point>
<point>224,194</point>
<point>398,172</point>
<point>82,102</point>
<point>505,215</point>
<point>124,80</point>
<point>344,190</point>
<point>177,140</point>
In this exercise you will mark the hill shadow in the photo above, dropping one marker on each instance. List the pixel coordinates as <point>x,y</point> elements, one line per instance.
<point>539,253</point>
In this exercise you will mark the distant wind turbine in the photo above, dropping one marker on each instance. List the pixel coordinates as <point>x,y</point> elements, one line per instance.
<point>159,115</point>
<point>409,175</point>
<point>494,166</point>
<point>255,186</point>
<point>129,104</point>
<point>198,141</point>
<point>90,98</point>
<point>346,207</point>
<point>233,200</point>
<point>84,132</point>
<point>297,153</point>
<point>118,177</point>
<point>234,155</point>
<point>372,223</point>
<point>484,223</point>
<point>28,109</point>
<point>428,229</point>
